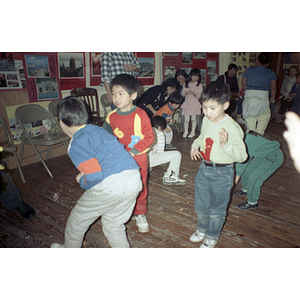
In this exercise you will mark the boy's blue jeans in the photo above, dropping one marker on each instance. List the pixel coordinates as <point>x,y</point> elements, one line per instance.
<point>212,195</point>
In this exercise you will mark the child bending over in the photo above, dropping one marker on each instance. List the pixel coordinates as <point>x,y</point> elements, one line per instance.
<point>157,156</point>
<point>102,161</point>
<point>221,145</point>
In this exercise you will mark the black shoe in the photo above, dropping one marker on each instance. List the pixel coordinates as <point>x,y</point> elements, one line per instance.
<point>240,193</point>
<point>27,212</point>
<point>247,205</point>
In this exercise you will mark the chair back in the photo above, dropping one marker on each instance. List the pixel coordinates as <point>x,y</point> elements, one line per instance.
<point>7,137</point>
<point>90,96</point>
<point>52,108</point>
<point>105,104</point>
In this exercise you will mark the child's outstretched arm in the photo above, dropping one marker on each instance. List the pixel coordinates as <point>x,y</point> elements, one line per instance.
<point>195,154</point>
<point>292,136</point>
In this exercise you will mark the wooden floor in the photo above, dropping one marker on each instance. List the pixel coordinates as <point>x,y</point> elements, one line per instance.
<point>171,216</point>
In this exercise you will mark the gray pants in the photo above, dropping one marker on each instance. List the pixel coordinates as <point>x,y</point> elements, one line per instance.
<point>113,199</point>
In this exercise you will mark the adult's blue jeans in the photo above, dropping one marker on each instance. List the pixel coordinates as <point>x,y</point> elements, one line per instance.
<point>212,195</point>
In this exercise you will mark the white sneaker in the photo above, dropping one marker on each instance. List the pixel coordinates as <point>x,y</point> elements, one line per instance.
<point>141,223</point>
<point>184,135</point>
<point>207,243</point>
<point>172,178</point>
<point>197,236</point>
<point>57,245</point>
<point>191,135</point>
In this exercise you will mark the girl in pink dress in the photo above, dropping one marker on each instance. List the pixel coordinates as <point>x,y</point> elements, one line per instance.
<point>191,107</point>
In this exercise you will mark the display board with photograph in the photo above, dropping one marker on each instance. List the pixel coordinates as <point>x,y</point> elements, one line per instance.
<point>147,62</point>
<point>207,63</point>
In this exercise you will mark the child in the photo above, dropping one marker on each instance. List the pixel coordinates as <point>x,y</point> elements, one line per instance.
<point>157,156</point>
<point>265,157</point>
<point>102,161</point>
<point>132,126</point>
<point>221,144</point>
<point>191,107</point>
<point>167,112</point>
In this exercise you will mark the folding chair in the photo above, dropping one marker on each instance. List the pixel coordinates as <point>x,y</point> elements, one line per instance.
<point>9,147</point>
<point>105,104</point>
<point>90,96</point>
<point>52,108</point>
<point>31,113</point>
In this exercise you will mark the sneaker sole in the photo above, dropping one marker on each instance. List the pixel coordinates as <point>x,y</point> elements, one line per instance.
<point>174,183</point>
<point>143,230</point>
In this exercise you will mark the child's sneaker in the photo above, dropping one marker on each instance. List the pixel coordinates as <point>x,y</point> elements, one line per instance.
<point>170,147</point>
<point>197,236</point>
<point>57,245</point>
<point>240,192</point>
<point>141,223</point>
<point>279,119</point>
<point>172,178</point>
<point>207,243</point>
<point>191,135</point>
<point>247,205</point>
<point>185,135</point>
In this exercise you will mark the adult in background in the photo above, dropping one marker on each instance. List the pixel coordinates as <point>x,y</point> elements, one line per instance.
<point>10,194</point>
<point>230,78</point>
<point>257,81</point>
<point>115,63</point>
<point>158,96</point>
<point>286,101</point>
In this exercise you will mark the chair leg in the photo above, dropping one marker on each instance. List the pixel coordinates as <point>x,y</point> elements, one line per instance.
<point>19,167</point>
<point>42,160</point>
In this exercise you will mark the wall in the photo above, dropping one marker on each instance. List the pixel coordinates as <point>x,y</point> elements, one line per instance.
<point>9,98</point>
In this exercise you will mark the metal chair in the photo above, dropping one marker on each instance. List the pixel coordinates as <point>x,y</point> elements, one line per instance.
<point>30,113</point>
<point>52,108</point>
<point>9,147</point>
<point>105,104</point>
<point>90,96</point>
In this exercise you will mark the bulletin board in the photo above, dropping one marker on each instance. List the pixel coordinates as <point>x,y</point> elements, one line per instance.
<point>206,62</point>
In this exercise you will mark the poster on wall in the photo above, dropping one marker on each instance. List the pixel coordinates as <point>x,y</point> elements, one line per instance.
<point>95,67</point>
<point>12,74</point>
<point>147,62</point>
<point>71,70</point>
<point>42,77</point>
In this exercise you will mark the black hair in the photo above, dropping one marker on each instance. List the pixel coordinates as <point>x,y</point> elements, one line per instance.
<point>218,91</point>
<point>175,98</point>
<point>127,82</point>
<point>181,72</point>
<point>72,111</point>
<point>172,82</point>
<point>293,67</point>
<point>195,72</point>
<point>264,58</point>
<point>232,66</point>
<point>159,121</point>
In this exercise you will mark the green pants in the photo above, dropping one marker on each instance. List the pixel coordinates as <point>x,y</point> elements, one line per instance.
<point>257,172</point>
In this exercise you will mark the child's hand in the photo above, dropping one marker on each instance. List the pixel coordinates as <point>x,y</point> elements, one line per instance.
<point>223,137</point>
<point>168,130</point>
<point>79,176</point>
<point>172,121</point>
<point>195,154</point>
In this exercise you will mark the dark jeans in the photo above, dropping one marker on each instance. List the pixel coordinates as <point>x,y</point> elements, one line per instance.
<point>212,195</point>
<point>9,193</point>
<point>284,106</point>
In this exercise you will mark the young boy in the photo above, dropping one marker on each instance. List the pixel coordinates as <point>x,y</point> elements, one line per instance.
<point>167,111</point>
<point>102,161</point>
<point>157,156</point>
<point>221,145</point>
<point>132,126</point>
<point>265,157</point>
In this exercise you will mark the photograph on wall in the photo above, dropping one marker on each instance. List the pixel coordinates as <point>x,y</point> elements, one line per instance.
<point>70,65</point>
<point>12,75</point>
<point>96,63</point>
<point>170,72</point>
<point>147,64</point>
<point>37,66</point>
<point>187,57</point>
<point>199,55</point>
<point>47,88</point>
